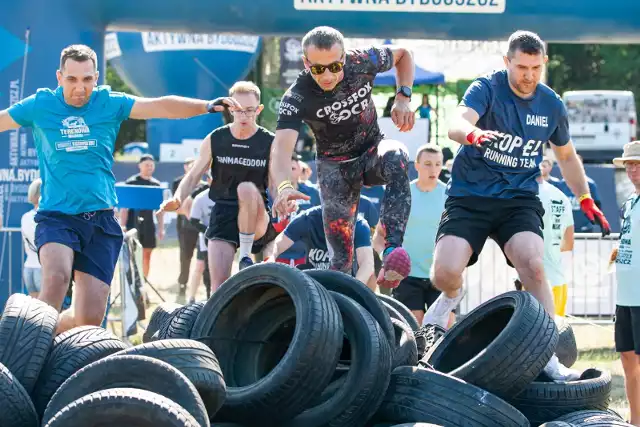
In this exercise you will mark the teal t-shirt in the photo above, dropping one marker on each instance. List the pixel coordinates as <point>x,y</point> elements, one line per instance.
<point>75,147</point>
<point>422,227</point>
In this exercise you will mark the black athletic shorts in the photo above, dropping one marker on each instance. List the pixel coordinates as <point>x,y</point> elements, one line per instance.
<point>146,232</point>
<point>476,218</point>
<point>627,329</point>
<point>223,225</point>
<point>416,293</point>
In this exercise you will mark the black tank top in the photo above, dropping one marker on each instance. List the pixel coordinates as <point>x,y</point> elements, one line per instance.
<point>238,160</point>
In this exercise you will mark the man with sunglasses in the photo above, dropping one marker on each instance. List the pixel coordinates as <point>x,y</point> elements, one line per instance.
<point>333,96</point>
<point>238,155</point>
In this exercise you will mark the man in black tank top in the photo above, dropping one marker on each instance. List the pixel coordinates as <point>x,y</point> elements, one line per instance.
<point>333,96</point>
<point>238,155</point>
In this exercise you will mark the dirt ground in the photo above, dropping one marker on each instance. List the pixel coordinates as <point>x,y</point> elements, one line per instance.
<point>595,341</point>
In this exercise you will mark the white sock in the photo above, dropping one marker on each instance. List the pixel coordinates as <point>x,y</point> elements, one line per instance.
<point>246,242</point>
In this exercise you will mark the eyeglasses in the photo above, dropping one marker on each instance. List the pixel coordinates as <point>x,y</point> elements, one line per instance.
<point>246,112</point>
<point>334,67</point>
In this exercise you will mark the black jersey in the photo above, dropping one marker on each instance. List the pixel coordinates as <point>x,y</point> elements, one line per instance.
<point>238,160</point>
<point>343,120</point>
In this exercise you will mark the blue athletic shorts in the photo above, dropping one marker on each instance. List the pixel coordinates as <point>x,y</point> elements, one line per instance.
<point>95,237</point>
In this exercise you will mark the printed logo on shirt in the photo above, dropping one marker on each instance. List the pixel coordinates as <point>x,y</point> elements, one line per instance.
<point>319,258</point>
<point>74,127</point>
<point>76,145</point>
<point>540,121</point>
<point>286,109</point>
<point>343,110</point>
<point>525,155</point>
<point>625,252</point>
<point>295,96</point>
<point>228,160</point>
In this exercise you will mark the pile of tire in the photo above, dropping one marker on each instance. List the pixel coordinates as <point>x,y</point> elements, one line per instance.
<point>276,346</point>
<point>87,377</point>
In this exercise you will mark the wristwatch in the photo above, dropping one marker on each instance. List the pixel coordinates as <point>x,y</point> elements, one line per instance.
<point>404,91</point>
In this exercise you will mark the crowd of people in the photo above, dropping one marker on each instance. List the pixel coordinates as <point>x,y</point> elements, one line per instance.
<point>246,196</point>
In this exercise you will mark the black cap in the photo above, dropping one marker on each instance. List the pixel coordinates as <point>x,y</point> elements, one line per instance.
<point>145,157</point>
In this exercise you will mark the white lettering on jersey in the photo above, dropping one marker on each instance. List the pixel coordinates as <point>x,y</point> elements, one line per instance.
<point>502,152</point>
<point>352,105</point>
<point>540,121</point>
<point>287,109</point>
<point>228,160</point>
<point>74,127</point>
<point>319,258</point>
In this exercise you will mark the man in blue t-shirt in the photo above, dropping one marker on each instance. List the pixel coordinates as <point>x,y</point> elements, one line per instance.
<point>295,254</point>
<point>74,129</point>
<point>307,229</point>
<point>503,123</point>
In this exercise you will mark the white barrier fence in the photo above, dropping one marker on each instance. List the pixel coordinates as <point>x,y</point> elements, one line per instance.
<point>592,284</point>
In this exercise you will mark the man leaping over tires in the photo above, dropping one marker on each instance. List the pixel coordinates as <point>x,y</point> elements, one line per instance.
<point>503,123</point>
<point>333,96</point>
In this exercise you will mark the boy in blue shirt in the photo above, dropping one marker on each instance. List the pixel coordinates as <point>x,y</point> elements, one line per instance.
<point>74,129</point>
<point>307,229</point>
<point>503,123</point>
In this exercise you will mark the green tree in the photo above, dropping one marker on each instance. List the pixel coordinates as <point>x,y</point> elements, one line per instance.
<point>130,130</point>
<point>594,66</point>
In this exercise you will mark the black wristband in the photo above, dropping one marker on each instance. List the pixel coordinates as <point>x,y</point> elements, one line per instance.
<point>214,103</point>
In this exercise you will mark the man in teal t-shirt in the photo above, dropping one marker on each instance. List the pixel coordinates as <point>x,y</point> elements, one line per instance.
<point>428,195</point>
<point>74,129</point>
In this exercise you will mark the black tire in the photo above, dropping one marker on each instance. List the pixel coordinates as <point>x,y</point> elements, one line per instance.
<point>195,360</point>
<point>546,401</point>
<point>71,351</point>
<point>361,390</point>
<point>310,360</point>
<point>27,328</point>
<point>406,350</point>
<point>567,349</point>
<point>349,286</point>
<point>423,395</point>
<point>179,325</point>
<point>408,316</point>
<point>123,407</point>
<point>161,313</point>
<point>594,419</point>
<point>137,372</point>
<point>501,346</point>
<point>17,409</point>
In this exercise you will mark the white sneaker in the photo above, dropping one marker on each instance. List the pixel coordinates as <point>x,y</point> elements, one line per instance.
<point>558,372</point>
<point>438,313</point>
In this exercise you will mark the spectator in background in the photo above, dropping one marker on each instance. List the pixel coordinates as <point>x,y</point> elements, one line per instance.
<point>32,271</point>
<point>581,222</point>
<point>305,174</point>
<point>142,220</point>
<point>187,235</point>
<point>424,110</point>
<point>295,255</point>
<point>546,166</point>
<point>199,218</point>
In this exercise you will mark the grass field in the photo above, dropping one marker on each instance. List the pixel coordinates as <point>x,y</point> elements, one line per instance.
<point>595,342</point>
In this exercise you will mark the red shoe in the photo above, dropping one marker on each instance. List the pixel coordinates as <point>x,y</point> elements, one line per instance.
<point>396,266</point>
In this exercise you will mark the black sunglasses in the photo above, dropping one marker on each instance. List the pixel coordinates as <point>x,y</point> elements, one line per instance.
<point>334,67</point>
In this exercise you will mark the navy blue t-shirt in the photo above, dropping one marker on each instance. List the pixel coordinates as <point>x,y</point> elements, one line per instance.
<point>298,249</point>
<point>368,210</point>
<point>580,222</point>
<point>508,168</point>
<point>308,228</point>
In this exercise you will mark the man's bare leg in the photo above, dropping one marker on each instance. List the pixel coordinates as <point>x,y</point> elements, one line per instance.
<point>253,220</point>
<point>631,367</point>
<point>89,303</point>
<point>57,262</point>
<point>221,256</point>
<point>450,258</point>
<point>525,250</point>
<point>146,261</point>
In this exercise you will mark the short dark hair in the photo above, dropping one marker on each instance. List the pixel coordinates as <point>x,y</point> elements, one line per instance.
<point>526,42</point>
<point>146,157</point>
<point>428,148</point>
<point>323,38</point>
<point>79,53</point>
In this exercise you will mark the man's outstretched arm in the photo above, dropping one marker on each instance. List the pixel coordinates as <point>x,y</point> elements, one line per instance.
<point>7,122</point>
<point>178,107</point>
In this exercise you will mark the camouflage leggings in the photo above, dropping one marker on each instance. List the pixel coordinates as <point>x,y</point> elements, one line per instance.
<point>340,185</point>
